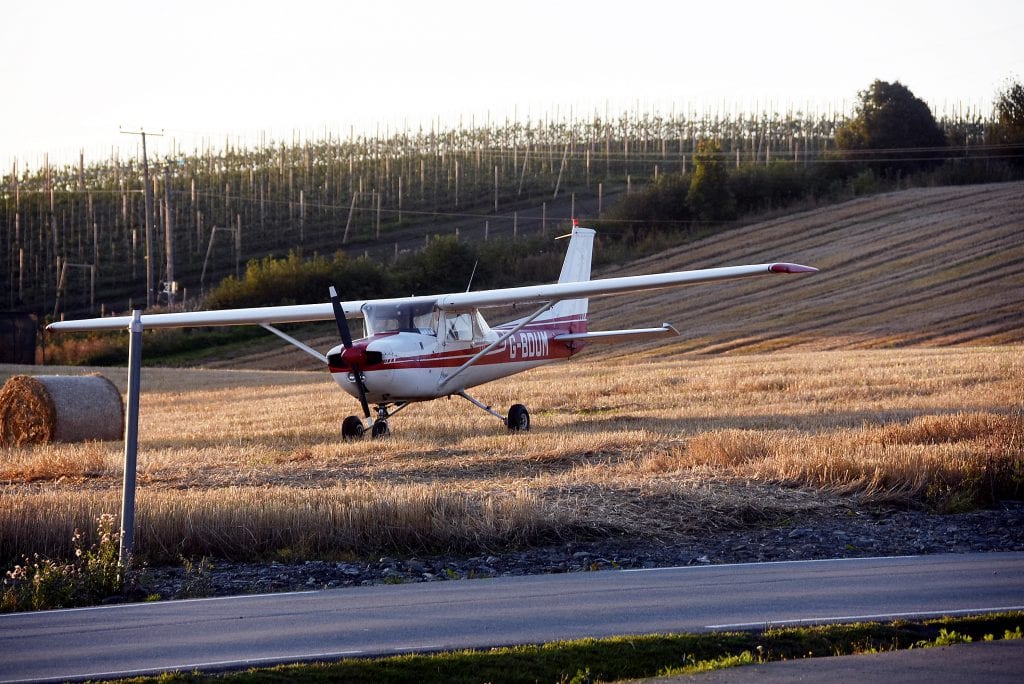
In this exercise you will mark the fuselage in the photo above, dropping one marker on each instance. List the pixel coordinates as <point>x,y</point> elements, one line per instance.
<point>413,364</point>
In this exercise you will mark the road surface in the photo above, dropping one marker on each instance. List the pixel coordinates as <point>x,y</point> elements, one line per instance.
<point>243,631</point>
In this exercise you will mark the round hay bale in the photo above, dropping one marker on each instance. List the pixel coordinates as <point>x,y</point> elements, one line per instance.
<point>59,408</point>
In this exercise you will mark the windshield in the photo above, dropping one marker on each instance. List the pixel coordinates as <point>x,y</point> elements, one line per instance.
<point>400,316</point>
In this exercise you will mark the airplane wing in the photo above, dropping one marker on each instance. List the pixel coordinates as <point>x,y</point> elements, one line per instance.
<point>607,286</point>
<point>300,313</point>
<point>536,294</point>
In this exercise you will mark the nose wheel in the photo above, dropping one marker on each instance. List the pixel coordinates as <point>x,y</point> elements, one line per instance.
<point>380,428</point>
<point>353,427</point>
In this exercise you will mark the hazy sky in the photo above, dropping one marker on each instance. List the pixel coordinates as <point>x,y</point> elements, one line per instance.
<point>72,72</point>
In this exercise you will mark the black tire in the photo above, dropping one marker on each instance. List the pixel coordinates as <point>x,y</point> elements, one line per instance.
<point>518,418</point>
<point>380,429</point>
<point>352,428</point>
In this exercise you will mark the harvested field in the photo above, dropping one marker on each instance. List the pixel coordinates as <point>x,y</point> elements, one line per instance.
<point>244,464</point>
<point>892,378</point>
<point>928,266</point>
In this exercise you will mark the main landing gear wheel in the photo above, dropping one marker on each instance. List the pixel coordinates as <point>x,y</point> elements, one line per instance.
<point>380,428</point>
<point>352,428</point>
<point>518,418</point>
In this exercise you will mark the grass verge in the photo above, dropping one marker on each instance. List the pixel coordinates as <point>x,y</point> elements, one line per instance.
<point>591,660</point>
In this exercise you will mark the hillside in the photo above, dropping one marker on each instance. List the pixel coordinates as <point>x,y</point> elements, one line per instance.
<point>927,266</point>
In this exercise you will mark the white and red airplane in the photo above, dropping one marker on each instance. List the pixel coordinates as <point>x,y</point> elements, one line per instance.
<point>421,348</point>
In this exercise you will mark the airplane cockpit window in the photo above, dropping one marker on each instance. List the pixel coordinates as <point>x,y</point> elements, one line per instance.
<point>458,327</point>
<point>399,317</point>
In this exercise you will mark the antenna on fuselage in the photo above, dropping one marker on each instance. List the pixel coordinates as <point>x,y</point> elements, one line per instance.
<point>470,284</point>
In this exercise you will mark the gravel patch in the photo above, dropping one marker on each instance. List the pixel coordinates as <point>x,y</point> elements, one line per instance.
<point>846,533</point>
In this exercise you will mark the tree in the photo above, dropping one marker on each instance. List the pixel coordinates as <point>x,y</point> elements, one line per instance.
<point>1008,130</point>
<point>892,130</point>
<point>710,198</point>
<point>660,205</point>
<point>444,265</point>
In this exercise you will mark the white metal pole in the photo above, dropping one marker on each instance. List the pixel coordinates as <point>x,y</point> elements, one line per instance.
<point>131,438</point>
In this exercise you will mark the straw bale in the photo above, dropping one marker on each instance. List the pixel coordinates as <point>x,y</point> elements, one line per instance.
<point>57,408</point>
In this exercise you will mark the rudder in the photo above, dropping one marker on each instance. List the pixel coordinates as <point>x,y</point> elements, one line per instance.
<point>575,268</point>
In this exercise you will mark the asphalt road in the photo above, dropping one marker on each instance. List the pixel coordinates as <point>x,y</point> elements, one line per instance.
<point>235,632</point>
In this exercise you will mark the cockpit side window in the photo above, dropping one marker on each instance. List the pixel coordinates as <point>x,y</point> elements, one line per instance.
<point>458,327</point>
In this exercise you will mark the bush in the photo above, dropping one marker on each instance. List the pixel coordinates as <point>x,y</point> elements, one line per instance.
<point>444,265</point>
<point>295,280</point>
<point>763,188</point>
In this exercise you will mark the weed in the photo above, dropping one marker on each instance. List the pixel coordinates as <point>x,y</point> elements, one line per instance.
<point>947,637</point>
<point>94,574</point>
<point>582,676</point>
<point>198,581</point>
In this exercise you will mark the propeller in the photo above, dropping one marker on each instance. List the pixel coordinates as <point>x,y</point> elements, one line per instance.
<point>352,356</point>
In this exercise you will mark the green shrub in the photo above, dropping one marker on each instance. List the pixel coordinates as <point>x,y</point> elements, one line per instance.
<point>296,280</point>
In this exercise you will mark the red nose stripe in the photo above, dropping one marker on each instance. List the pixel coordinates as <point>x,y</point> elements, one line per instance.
<point>354,356</point>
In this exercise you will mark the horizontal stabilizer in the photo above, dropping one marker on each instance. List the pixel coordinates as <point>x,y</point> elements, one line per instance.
<point>610,336</point>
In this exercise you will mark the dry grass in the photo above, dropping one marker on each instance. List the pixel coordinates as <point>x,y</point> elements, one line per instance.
<point>65,463</point>
<point>247,464</point>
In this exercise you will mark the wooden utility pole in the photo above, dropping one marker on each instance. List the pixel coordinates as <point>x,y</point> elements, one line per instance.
<point>169,238</point>
<point>149,216</point>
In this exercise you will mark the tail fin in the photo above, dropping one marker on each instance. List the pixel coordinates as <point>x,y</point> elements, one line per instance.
<point>575,268</point>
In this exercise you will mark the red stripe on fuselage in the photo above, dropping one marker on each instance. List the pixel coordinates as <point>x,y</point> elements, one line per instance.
<point>535,342</point>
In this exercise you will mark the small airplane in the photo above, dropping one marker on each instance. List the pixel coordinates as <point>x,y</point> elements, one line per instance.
<point>427,347</point>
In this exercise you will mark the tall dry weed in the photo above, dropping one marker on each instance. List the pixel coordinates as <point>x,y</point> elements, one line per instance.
<point>941,429</point>
<point>55,462</point>
<point>731,448</point>
<point>248,522</point>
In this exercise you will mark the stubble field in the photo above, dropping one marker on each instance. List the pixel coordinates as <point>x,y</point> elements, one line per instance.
<point>249,464</point>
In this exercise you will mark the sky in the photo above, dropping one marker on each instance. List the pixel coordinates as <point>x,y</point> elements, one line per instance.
<point>74,74</point>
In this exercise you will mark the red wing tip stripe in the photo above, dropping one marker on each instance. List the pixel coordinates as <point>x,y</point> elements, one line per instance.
<point>791,268</point>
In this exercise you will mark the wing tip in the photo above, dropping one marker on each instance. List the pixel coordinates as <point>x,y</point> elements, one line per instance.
<point>791,268</point>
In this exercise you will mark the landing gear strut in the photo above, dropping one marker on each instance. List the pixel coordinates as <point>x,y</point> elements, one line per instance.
<point>353,427</point>
<point>518,419</point>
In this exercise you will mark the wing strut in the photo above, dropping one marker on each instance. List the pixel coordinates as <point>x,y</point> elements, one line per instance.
<point>501,340</point>
<point>292,341</point>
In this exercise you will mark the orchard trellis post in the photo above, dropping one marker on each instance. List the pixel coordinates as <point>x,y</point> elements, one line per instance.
<point>149,215</point>
<point>345,188</point>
